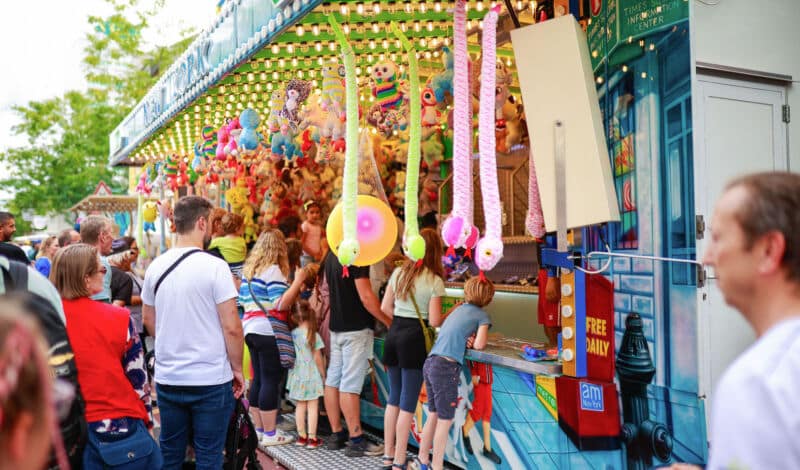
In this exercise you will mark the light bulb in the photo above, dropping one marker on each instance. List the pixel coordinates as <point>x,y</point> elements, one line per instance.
<point>318,46</point>
<point>343,9</point>
<point>375,28</point>
<point>300,31</point>
<point>437,7</point>
<point>360,8</point>
<point>376,7</point>
<point>315,30</point>
<point>290,48</point>
<point>479,6</point>
<point>276,48</point>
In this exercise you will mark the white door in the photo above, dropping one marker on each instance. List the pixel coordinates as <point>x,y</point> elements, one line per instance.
<point>738,130</point>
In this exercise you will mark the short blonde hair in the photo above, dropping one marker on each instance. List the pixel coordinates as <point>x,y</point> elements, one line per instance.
<point>70,268</point>
<point>478,291</point>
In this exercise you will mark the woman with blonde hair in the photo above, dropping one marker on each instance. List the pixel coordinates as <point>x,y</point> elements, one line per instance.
<point>110,361</point>
<point>267,297</point>
<point>413,296</point>
<point>46,254</point>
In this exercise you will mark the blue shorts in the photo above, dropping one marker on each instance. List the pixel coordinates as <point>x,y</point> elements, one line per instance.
<point>441,384</point>
<point>350,355</point>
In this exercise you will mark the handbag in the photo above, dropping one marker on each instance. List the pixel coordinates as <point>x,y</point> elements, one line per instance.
<point>427,331</point>
<point>132,451</point>
<point>280,329</point>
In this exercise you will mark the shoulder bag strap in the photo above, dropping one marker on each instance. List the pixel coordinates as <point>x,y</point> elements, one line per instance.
<point>253,295</point>
<point>416,307</point>
<point>174,265</point>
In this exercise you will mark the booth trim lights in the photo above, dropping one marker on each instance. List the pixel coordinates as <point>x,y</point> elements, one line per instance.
<point>215,52</point>
<point>228,66</point>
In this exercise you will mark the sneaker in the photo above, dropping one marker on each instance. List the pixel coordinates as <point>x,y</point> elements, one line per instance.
<point>280,438</point>
<point>335,442</point>
<point>489,454</point>
<point>313,443</point>
<point>417,465</point>
<point>301,441</point>
<point>362,448</point>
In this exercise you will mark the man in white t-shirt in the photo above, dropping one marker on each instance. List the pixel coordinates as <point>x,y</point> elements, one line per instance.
<point>191,311</point>
<point>755,252</point>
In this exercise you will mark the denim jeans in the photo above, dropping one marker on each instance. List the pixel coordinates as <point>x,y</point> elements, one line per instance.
<point>143,445</point>
<point>200,411</point>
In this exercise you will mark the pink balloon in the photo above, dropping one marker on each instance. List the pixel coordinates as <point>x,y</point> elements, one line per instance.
<point>472,239</point>
<point>369,224</point>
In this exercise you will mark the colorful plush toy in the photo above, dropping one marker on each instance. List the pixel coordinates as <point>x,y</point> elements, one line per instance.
<point>333,93</point>
<point>386,86</point>
<point>442,82</point>
<point>223,137</point>
<point>142,187</point>
<point>237,197</point>
<point>509,125</point>
<point>431,116</point>
<point>234,129</point>
<point>296,93</point>
<point>276,102</point>
<point>283,145</point>
<point>248,139</point>
<point>149,214</point>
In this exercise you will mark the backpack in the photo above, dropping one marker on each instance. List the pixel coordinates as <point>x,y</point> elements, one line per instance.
<point>61,358</point>
<point>241,443</point>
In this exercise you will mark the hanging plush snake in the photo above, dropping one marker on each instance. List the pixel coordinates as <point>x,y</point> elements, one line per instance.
<point>457,228</point>
<point>413,243</point>
<point>349,247</point>
<point>490,248</point>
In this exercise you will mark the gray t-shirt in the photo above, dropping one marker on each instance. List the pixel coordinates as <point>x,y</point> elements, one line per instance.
<point>462,323</point>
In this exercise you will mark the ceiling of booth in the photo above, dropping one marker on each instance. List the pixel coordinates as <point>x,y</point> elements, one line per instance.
<point>301,49</point>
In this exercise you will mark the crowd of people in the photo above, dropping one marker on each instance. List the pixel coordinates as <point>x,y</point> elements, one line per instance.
<point>309,332</point>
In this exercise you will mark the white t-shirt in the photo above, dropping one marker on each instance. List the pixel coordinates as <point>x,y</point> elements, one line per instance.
<point>755,419</point>
<point>190,345</point>
<point>268,287</point>
<point>426,286</point>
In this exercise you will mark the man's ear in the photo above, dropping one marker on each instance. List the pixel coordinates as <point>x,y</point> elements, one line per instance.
<point>772,247</point>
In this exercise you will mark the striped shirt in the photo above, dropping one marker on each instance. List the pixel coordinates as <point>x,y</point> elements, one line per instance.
<point>268,288</point>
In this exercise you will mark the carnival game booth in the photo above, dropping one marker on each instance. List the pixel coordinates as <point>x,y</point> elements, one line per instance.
<point>378,111</point>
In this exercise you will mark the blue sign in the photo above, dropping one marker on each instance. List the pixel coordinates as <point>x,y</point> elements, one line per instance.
<point>591,397</point>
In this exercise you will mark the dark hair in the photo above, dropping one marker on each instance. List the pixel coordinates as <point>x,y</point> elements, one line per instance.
<point>289,225</point>
<point>773,205</point>
<point>188,211</point>
<point>129,240</point>
<point>303,312</point>
<point>294,250</point>
<point>5,217</point>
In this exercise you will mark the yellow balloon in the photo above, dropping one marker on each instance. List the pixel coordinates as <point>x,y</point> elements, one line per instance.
<point>376,229</point>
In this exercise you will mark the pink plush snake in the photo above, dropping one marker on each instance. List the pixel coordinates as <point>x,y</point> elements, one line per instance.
<point>534,221</point>
<point>457,228</point>
<point>489,249</point>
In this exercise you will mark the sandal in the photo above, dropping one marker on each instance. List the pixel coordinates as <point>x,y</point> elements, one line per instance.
<point>401,466</point>
<point>387,462</point>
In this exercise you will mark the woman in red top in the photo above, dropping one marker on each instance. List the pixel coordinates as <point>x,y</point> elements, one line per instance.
<point>110,364</point>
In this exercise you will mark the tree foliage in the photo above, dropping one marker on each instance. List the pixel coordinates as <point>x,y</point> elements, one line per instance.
<point>66,149</point>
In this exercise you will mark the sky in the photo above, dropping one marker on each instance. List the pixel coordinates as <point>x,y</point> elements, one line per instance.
<point>42,47</point>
